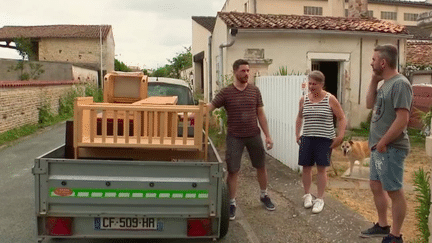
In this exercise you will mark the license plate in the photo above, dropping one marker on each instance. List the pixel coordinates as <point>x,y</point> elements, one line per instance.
<point>127,223</point>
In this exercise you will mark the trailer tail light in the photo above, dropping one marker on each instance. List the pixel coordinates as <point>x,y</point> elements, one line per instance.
<point>199,227</point>
<point>59,226</point>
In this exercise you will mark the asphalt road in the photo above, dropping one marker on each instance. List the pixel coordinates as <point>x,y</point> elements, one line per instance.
<point>289,223</point>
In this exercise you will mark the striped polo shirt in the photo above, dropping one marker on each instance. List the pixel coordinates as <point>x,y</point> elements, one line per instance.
<point>241,107</point>
<point>318,118</point>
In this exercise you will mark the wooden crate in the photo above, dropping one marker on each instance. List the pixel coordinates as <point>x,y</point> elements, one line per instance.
<point>143,126</point>
<point>120,87</point>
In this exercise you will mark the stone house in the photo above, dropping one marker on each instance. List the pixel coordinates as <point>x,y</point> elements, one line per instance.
<point>87,46</point>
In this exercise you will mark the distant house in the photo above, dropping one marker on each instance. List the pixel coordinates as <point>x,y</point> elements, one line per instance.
<point>87,46</point>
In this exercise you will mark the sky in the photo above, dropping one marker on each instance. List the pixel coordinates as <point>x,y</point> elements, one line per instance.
<point>146,32</point>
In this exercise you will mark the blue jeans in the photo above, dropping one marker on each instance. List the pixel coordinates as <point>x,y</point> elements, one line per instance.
<point>388,167</point>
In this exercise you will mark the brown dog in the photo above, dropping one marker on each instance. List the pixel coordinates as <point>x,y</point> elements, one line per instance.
<point>355,150</point>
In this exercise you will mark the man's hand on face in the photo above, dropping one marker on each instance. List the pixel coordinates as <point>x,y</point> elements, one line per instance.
<point>376,78</point>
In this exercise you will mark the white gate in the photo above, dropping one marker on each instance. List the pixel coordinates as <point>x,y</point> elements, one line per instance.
<point>281,95</point>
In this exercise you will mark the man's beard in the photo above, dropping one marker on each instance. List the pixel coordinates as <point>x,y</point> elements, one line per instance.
<point>378,71</point>
<point>243,80</point>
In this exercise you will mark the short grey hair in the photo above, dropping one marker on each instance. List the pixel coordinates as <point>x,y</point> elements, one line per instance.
<point>317,76</point>
<point>389,53</point>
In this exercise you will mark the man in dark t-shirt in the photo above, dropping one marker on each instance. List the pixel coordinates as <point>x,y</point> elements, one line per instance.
<point>244,105</point>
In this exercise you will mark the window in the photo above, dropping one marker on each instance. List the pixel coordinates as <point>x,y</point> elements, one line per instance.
<point>410,16</point>
<point>389,15</point>
<point>346,12</point>
<point>312,10</point>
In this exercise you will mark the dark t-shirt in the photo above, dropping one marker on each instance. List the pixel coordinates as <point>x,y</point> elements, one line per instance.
<point>242,109</point>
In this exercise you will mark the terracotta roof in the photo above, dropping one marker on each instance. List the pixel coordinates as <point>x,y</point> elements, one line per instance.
<point>205,21</point>
<point>419,52</point>
<point>402,3</point>
<point>54,31</point>
<point>14,84</point>
<point>419,33</point>
<point>306,22</point>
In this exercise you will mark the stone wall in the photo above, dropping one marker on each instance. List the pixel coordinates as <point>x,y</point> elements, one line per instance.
<point>20,100</point>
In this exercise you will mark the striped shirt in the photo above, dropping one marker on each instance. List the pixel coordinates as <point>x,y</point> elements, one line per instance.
<point>242,109</point>
<point>318,118</point>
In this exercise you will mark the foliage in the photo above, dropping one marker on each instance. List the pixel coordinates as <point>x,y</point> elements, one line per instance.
<point>67,101</point>
<point>178,63</point>
<point>16,133</point>
<point>410,68</point>
<point>182,61</point>
<point>45,113</point>
<point>283,71</point>
<point>164,71</point>
<point>423,197</point>
<point>25,49</point>
<point>121,66</point>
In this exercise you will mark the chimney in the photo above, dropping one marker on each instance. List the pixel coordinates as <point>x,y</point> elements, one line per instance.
<point>357,8</point>
<point>337,8</point>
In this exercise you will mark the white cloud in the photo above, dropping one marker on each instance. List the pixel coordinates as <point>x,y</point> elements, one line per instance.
<point>146,32</point>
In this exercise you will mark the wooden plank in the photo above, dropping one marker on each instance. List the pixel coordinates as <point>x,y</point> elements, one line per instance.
<point>158,100</point>
<point>145,123</point>
<point>151,121</point>
<point>126,127</point>
<point>93,124</point>
<point>104,125</point>
<point>121,142</point>
<point>174,127</point>
<point>138,126</point>
<point>162,127</point>
<point>198,126</point>
<point>185,126</point>
<point>206,141</point>
<point>115,126</point>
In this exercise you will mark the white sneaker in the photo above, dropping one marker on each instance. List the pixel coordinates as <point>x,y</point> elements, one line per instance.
<point>318,205</point>
<point>307,200</point>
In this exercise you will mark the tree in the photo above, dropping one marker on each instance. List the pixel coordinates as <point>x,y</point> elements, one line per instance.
<point>181,61</point>
<point>25,48</point>
<point>120,66</point>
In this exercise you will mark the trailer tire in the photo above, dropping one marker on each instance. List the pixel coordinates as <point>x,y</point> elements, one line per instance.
<point>224,221</point>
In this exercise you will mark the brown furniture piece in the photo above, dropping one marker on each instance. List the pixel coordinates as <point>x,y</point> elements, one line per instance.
<point>153,127</point>
<point>124,87</point>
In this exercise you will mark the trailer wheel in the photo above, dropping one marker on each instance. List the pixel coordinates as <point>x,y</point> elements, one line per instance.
<point>224,221</point>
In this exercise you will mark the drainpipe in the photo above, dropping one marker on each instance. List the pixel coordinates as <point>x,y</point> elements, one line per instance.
<point>210,74</point>
<point>233,34</point>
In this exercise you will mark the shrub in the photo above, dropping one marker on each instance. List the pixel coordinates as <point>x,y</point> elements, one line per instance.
<point>423,197</point>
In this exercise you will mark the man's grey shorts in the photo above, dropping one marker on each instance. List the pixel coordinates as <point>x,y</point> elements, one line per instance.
<point>388,168</point>
<point>234,151</point>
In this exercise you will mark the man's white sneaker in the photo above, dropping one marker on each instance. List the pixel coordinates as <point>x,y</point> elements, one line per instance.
<point>318,205</point>
<point>307,200</point>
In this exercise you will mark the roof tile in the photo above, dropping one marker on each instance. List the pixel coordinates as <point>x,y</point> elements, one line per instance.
<point>419,53</point>
<point>270,21</point>
<point>54,31</point>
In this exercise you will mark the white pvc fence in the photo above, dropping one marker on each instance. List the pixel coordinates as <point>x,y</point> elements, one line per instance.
<point>281,95</point>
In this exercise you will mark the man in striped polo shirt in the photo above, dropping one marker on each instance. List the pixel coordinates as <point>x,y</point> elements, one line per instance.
<point>244,105</point>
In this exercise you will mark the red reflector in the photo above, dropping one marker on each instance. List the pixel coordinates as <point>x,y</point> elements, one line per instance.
<point>199,227</point>
<point>59,226</point>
